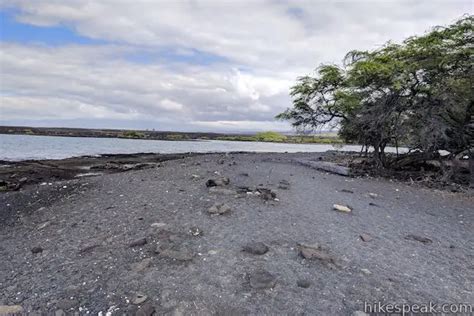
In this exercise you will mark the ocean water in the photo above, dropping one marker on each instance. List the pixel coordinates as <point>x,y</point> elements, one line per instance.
<point>23,147</point>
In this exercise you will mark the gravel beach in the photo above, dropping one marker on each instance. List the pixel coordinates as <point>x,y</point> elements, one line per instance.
<point>236,234</point>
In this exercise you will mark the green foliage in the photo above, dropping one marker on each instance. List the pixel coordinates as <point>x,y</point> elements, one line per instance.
<point>133,134</point>
<point>270,137</point>
<point>177,137</point>
<point>279,138</point>
<point>418,93</point>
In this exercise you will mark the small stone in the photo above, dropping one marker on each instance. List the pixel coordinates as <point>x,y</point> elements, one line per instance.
<point>262,279</point>
<point>256,248</point>
<point>347,191</point>
<point>10,309</point>
<point>195,176</point>
<point>421,239</point>
<point>195,231</point>
<point>373,195</point>
<point>23,180</point>
<point>342,208</point>
<point>366,271</point>
<point>158,225</point>
<point>138,242</point>
<point>284,185</point>
<point>373,204</point>
<point>36,249</point>
<point>139,298</point>
<point>219,208</point>
<point>312,252</point>
<point>359,313</point>
<point>43,225</point>
<point>217,182</point>
<point>266,194</point>
<point>303,283</point>
<point>365,237</point>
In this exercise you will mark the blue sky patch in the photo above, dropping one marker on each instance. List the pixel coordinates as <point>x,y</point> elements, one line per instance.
<point>16,32</point>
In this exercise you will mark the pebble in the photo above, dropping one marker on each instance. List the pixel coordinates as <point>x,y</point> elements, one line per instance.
<point>36,249</point>
<point>365,237</point>
<point>219,208</point>
<point>139,298</point>
<point>421,239</point>
<point>138,242</point>
<point>217,182</point>
<point>158,225</point>
<point>312,252</point>
<point>262,279</point>
<point>342,208</point>
<point>303,283</point>
<point>43,225</point>
<point>366,271</point>
<point>256,248</point>
<point>195,231</point>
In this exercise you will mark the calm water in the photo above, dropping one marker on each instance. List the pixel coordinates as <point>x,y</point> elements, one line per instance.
<point>21,147</point>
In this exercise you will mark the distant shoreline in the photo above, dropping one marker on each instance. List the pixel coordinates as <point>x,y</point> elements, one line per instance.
<point>323,138</point>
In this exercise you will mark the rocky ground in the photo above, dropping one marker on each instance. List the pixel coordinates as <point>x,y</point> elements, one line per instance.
<point>232,234</point>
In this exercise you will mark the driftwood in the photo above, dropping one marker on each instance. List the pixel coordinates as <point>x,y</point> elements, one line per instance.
<point>326,166</point>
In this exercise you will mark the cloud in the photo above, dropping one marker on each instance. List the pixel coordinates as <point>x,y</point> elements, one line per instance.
<point>222,64</point>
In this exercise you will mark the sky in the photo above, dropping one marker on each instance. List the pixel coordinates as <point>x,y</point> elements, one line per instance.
<point>184,65</point>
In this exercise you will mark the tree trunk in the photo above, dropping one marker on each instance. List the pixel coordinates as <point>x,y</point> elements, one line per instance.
<point>471,167</point>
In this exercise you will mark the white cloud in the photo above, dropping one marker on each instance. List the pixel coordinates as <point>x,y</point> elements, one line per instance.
<point>252,52</point>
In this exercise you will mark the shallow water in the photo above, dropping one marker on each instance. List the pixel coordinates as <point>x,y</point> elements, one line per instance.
<point>22,147</point>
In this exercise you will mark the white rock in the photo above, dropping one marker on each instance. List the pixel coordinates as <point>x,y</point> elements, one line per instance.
<point>341,208</point>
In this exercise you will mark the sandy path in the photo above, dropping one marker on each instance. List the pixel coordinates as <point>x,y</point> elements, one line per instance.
<point>86,263</point>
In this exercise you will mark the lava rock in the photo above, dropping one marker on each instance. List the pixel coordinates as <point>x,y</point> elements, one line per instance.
<point>421,239</point>
<point>256,248</point>
<point>315,252</point>
<point>138,242</point>
<point>219,208</point>
<point>303,283</point>
<point>139,298</point>
<point>217,182</point>
<point>365,237</point>
<point>36,250</point>
<point>284,185</point>
<point>266,194</point>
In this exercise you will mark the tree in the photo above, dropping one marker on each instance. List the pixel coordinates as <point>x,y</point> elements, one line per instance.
<point>418,93</point>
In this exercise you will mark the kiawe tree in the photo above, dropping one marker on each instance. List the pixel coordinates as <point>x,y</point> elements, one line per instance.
<point>418,93</point>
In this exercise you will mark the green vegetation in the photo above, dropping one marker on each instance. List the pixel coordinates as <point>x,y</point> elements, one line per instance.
<point>418,93</point>
<point>177,137</point>
<point>270,137</point>
<point>280,138</point>
<point>133,134</point>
